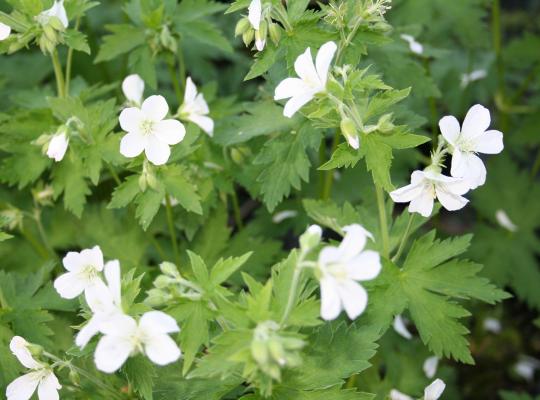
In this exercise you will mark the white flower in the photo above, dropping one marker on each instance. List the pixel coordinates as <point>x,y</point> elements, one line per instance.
<point>104,301</point>
<point>58,146</point>
<point>123,337</point>
<point>341,267</point>
<point>504,220</point>
<point>475,75</point>
<point>426,186</point>
<point>281,216</point>
<point>57,10</point>
<point>415,47</point>
<point>526,367</point>
<point>430,366</point>
<point>401,328</point>
<point>472,138</point>
<point>5,30</point>
<point>148,131</point>
<point>40,377</point>
<point>492,325</point>
<point>312,79</point>
<point>434,390</point>
<point>195,108</point>
<point>133,88</point>
<point>397,395</point>
<point>255,17</point>
<point>83,272</point>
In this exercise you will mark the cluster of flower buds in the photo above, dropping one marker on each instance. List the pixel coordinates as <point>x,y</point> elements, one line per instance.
<point>258,25</point>
<point>53,22</point>
<point>169,285</point>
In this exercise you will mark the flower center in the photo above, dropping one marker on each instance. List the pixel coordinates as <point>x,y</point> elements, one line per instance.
<point>147,127</point>
<point>89,272</point>
<point>338,271</point>
<point>465,145</point>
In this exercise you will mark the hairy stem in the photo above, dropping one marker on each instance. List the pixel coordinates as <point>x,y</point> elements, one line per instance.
<point>404,238</point>
<point>59,75</point>
<point>172,230</point>
<point>383,220</point>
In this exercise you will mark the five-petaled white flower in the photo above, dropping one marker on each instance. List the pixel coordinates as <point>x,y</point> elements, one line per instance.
<point>431,392</point>
<point>472,138</point>
<point>5,31</point>
<point>341,267</point>
<point>427,185</point>
<point>57,146</point>
<point>312,79</point>
<point>195,108</point>
<point>148,131</point>
<point>255,17</point>
<point>124,337</point>
<point>133,88</point>
<point>83,272</point>
<point>57,10</point>
<point>40,376</point>
<point>414,46</point>
<point>104,301</point>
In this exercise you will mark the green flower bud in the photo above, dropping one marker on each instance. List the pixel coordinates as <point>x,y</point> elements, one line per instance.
<point>348,128</point>
<point>263,30</point>
<point>237,156</point>
<point>162,281</point>
<point>248,36</point>
<point>276,350</point>
<point>167,40</point>
<point>275,33</point>
<point>74,377</point>
<point>385,124</point>
<point>242,26</point>
<point>310,238</point>
<point>143,184</point>
<point>168,268</point>
<point>259,351</point>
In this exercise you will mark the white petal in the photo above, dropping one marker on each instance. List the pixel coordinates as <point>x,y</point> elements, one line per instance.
<point>23,387</point>
<point>411,191</point>
<point>100,298</point>
<point>296,103</point>
<point>112,352</point>
<point>133,88</point>
<point>450,128</point>
<point>449,200</point>
<point>19,348</point>
<point>365,266</point>
<point>162,350</point>
<point>416,47</point>
<point>324,58</point>
<point>156,151</point>
<point>491,142</point>
<point>430,366</point>
<point>155,108</point>
<point>5,30</point>
<point>328,255</point>
<point>476,121</point>
<point>88,331</point>
<point>157,321</point>
<point>57,147</point>
<point>191,91</point>
<point>354,298</point>
<point>400,327</point>
<point>397,395</point>
<point>73,261</point>
<point>330,301</point>
<point>204,122</point>
<point>57,10</point>
<point>114,281</point>
<point>132,144</point>
<point>259,43</point>
<point>119,325</point>
<point>353,242</point>
<point>169,131</point>
<point>470,167</point>
<point>255,13</point>
<point>130,119</point>
<point>290,87</point>
<point>305,68</point>
<point>48,388</point>
<point>70,285</point>
<point>492,325</point>
<point>504,220</point>
<point>354,141</point>
<point>422,204</point>
<point>93,257</point>
<point>435,390</point>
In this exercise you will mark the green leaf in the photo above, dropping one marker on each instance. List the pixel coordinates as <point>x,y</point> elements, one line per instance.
<point>263,61</point>
<point>344,156</point>
<point>125,192</point>
<point>68,178</point>
<point>194,333</point>
<point>224,268</point>
<point>123,39</point>
<point>77,41</point>
<point>140,373</point>
<point>179,187</point>
<point>327,213</point>
<point>148,204</point>
<point>378,160</point>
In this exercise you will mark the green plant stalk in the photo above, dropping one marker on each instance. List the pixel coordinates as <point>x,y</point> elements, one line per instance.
<point>114,175</point>
<point>432,106</point>
<point>69,61</point>
<point>172,230</point>
<point>174,81</point>
<point>42,235</point>
<point>38,247</point>
<point>59,75</point>
<point>329,176</point>
<point>383,220</point>
<point>236,211</point>
<point>404,238</point>
<point>181,68</point>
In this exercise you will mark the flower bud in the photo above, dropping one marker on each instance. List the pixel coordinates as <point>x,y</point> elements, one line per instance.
<point>167,40</point>
<point>143,184</point>
<point>168,268</point>
<point>237,156</point>
<point>259,351</point>
<point>311,238</point>
<point>74,377</point>
<point>162,281</point>
<point>275,33</point>
<point>263,30</point>
<point>35,349</point>
<point>385,123</point>
<point>242,26</point>
<point>248,36</point>
<point>348,128</point>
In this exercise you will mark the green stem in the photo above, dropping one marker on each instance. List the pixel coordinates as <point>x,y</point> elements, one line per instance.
<point>59,75</point>
<point>38,247</point>
<point>329,176</point>
<point>172,230</point>
<point>236,211</point>
<point>42,235</point>
<point>404,238</point>
<point>175,84</point>
<point>383,220</point>
<point>181,67</point>
<point>432,106</point>
<point>69,61</point>
<point>114,174</point>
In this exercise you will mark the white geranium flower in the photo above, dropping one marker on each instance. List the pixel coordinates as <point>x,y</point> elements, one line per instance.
<point>475,75</point>
<point>492,325</point>
<point>400,327</point>
<point>58,146</point>
<point>104,301</point>
<point>83,272</point>
<point>434,390</point>
<point>428,185</point>
<point>312,79</point>
<point>133,88</point>
<point>195,108</point>
<point>397,395</point>
<point>40,377</point>
<point>57,10</point>
<point>472,138</point>
<point>504,220</point>
<point>148,131</point>
<point>124,337</point>
<point>430,366</point>
<point>526,367</point>
<point>415,47</point>
<point>5,31</point>
<point>255,17</point>
<point>341,267</point>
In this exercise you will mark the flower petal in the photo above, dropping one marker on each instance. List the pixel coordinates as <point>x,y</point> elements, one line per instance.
<point>476,121</point>
<point>155,108</point>
<point>353,242</point>
<point>324,58</point>
<point>491,142</point>
<point>304,67</point>
<point>5,31</point>
<point>409,192</point>
<point>88,331</point>
<point>354,298</point>
<point>69,285</point>
<point>469,167</point>
<point>133,88</point>
<point>296,103</point>
<point>118,325</point>
<point>157,321</point>
<point>162,350</point>
<point>23,387</point>
<point>450,128</point>
<point>290,87</point>
<point>132,144</point>
<point>130,119</point>
<point>73,261</point>
<point>112,352</point>
<point>255,13</point>
<point>422,204</point>
<point>57,147</point>
<point>19,347</point>
<point>191,91</point>
<point>204,122</point>
<point>430,366</point>
<point>397,395</point>
<point>449,200</point>
<point>93,257</point>
<point>400,327</point>
<point>114,281</point>
<point>330,301</point>
<point>435,390</point>
<point>157,152</point>
<point>169,131</point>
<point>48,387</point>
<point>328,255</point>
<point>365,266</point>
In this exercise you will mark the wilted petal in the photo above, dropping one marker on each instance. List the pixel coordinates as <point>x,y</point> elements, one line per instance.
<point>255,13</point>
<point>48,387</point>
<point>131,119</point>
<point>133,88</point>
<point>435,390</point>
<point>112,352</point>
<point>161,349</point>
<point>132,144</point>
<point>354,298</point>
<point>296,103</point>
<point>155,108</point>
<point>450,128</point>
<point>324,58</point>
<point>169,131</point>
<point>290,87</point>
<point>504,220</point>
<point>330,301</point>
<point>23,387</point>
<point>491,142</point>
<point>305,68</point>
<point>365,266</point>
<point>157,152</point>
<point>157,321</point>
<point>476,121</point>
<point>397,395</point>
<point>5,31</point>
